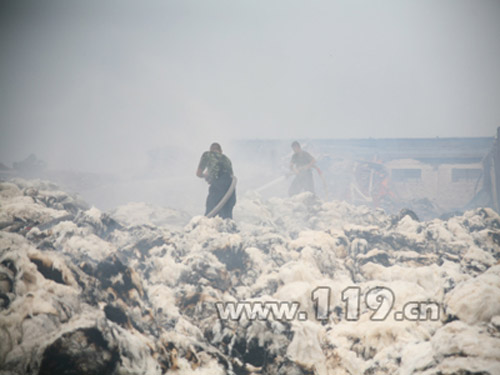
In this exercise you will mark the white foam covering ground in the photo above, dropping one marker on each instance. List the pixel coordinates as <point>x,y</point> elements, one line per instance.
<point>133,291</point>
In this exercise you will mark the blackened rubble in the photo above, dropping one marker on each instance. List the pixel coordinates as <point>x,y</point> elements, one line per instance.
<point>134,290</point>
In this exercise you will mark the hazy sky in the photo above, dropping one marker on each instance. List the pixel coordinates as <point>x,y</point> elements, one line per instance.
<point>93,84</point>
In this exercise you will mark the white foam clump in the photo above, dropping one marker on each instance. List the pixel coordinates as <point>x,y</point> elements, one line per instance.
<point>305,347</point>
<point>148,282</point>
<point>140,213</point>
<point>478,299</point>
<point>457,341</point>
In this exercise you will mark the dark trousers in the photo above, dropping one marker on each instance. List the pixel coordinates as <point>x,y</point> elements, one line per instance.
<point>216,192</point>
<point>302,182</point>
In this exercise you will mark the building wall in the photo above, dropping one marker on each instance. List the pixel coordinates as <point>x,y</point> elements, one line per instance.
<point>450,186</point>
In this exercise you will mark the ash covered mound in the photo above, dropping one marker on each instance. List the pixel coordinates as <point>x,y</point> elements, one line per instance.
<point>292,286</point>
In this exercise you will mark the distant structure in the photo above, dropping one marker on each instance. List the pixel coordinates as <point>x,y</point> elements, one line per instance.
<point>492,167</point>
<point>435,175</point>
<point>30,165</point>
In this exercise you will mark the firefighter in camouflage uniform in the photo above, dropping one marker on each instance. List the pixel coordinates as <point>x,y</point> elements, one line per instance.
<point>216,169</point>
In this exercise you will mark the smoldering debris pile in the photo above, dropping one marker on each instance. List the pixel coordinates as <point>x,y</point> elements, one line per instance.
<point>134,291</point>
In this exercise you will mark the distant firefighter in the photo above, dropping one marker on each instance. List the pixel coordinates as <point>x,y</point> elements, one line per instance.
<point>216,169</point>
<point>301,164</point>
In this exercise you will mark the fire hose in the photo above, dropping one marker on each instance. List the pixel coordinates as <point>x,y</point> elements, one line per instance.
<point>224,199</point>
<point>282,178</point>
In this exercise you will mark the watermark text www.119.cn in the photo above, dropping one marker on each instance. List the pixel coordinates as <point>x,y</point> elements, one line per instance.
<point>379,299</point>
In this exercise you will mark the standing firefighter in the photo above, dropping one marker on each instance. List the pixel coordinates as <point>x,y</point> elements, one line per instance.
<point>216,169</point>
<point>301,164</point>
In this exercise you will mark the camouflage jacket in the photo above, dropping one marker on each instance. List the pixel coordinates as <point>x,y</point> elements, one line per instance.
<point>301,158</point>
<point>216,165</point>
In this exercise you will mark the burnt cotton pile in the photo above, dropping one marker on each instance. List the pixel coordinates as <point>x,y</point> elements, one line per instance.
<point>139,290</point>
